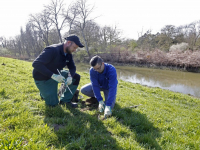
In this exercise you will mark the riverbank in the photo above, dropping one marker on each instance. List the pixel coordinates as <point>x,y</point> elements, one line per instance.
<point>154,66</point>
<point>162,120</point>
<point>187,61</point>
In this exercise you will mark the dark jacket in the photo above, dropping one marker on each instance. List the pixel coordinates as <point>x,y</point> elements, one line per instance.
<point>106,80</point>
<point>51,59</point>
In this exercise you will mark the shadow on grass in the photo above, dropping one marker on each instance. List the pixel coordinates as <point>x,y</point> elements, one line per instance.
<point>77,130</point>
<point>145,132</point>
<point>3,94</point>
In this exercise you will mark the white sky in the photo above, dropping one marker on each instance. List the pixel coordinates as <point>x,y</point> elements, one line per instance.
<point>130,16</point>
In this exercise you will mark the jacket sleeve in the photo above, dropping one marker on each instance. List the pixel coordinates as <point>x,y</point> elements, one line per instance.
<point>71,66</point>
<point>95,85</point>
<point>44,58</point>
<point>112,84</point>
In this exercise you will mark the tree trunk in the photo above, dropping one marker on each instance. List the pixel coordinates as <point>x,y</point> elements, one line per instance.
<point>59,34</point>
<point>86,45</point>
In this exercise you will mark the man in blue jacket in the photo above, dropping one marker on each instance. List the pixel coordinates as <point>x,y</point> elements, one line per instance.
<point>48,71</point>
<point>103,77</point>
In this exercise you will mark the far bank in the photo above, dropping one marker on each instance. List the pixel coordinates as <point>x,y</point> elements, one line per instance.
<point>187,61</point>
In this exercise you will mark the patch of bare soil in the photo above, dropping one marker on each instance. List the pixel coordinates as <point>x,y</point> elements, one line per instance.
<point>88,106</point>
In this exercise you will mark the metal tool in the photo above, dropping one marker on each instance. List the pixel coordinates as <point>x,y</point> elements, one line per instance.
<point>65,84</point>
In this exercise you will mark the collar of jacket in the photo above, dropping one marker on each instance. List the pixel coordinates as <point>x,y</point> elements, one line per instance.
<point>105,68</point>
<point>61,48</point>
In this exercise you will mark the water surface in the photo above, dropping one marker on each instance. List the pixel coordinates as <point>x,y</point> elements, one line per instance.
<point>177,81</point>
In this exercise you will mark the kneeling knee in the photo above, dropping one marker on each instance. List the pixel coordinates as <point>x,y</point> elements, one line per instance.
<point>77,78</point>
<point>83,91</point>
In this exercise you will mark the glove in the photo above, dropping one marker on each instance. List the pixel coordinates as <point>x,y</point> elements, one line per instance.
<point>68,81</point>
<point>107,112</point>
<point>101,106</point>
<point>58,78</point>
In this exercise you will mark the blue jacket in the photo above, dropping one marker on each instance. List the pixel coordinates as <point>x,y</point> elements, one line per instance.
<point>51,59</point>
<point>106,80</point>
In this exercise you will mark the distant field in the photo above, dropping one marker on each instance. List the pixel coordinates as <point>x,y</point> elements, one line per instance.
<point>164,120</point>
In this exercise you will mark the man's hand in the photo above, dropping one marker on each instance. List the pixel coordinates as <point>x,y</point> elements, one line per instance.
<point>101,106</point>
<point>58,78</point>
<point>107,112</point>
<point>68,81</point>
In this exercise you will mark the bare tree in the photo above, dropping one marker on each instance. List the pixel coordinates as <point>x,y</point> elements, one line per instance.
<point>71,14</point>
<point>3,41</point>
<point>168,33</point>
<point>18,45</point>
<point>11,46</point>
<point>140,33</point>
<point>27,41</point>
<point>147,41</point>
<point>55,12</point>
<point>42,25</point>
<point>53,36</point>
<point>84,12</point>
<point>39,43</point>
<point>23,41</point>
<point>179,35</point>
<point>92,30</point>
<point>109,36</point>
<point>194,33</point>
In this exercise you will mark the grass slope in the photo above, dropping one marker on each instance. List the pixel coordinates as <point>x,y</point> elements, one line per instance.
<point>165,120</point>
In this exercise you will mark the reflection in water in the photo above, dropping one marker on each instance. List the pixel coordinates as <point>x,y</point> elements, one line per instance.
<point>183,82</point>
<point>162,84</point>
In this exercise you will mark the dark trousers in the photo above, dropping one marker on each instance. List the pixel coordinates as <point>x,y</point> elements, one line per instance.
<point>49,89</point>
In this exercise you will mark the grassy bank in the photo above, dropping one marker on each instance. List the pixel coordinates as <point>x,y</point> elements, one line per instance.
<point>164,120</point>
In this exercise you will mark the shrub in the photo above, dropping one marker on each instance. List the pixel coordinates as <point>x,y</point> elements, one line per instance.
<point>182,47</point>
<point>4,52</point>
<point>80,55</point>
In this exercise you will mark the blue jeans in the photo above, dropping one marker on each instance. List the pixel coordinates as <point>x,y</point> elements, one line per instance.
<point>88,91</point>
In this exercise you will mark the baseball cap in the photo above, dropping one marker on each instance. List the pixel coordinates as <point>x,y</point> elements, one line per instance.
<point>74,39</point>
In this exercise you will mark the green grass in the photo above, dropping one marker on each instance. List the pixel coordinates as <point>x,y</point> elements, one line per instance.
<point>165,120</point>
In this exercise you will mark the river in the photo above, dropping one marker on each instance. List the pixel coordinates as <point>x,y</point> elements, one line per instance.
<point>177,81</point>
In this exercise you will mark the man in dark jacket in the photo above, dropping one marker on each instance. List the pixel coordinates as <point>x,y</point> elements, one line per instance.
<point>48,71</point>
<point>103,77</point>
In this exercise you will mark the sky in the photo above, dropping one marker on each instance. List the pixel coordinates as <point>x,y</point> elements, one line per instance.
<point>131,17</point>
